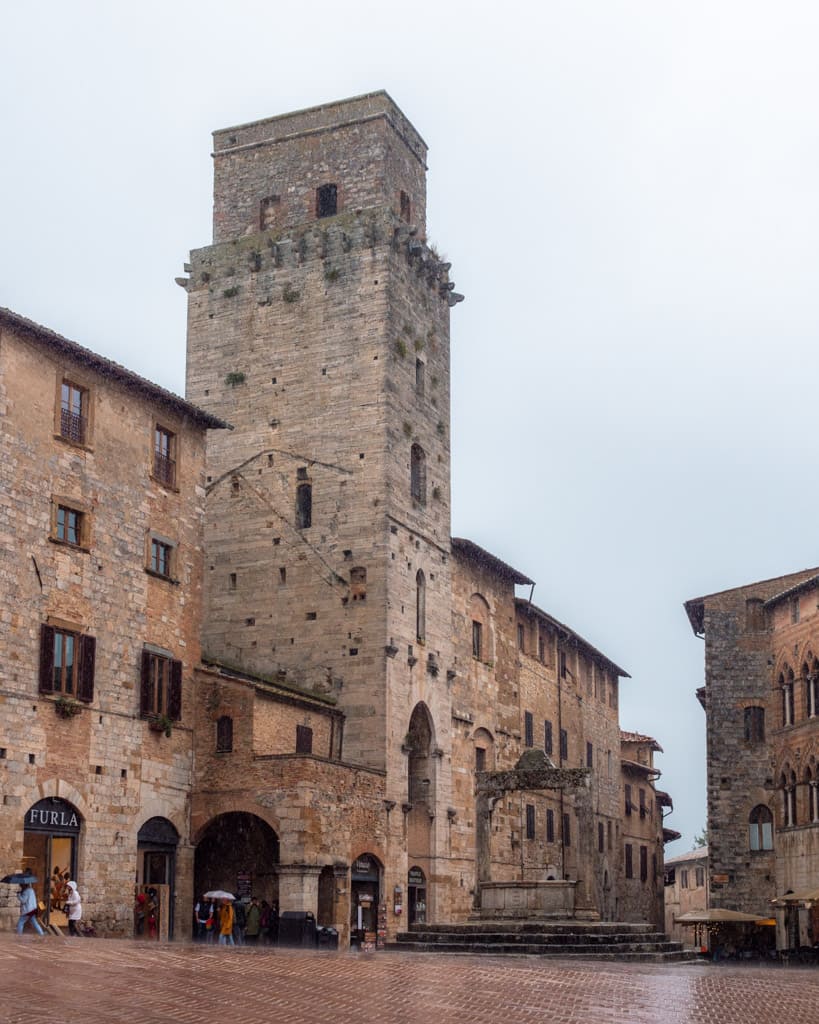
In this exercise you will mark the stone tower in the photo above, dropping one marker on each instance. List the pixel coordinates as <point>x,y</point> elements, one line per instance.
<point>319,328</point>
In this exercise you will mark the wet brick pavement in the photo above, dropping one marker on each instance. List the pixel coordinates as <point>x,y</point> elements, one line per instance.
<point>86,981</point>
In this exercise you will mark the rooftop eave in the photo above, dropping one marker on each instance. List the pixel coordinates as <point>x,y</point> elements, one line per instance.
<point>44,336</point>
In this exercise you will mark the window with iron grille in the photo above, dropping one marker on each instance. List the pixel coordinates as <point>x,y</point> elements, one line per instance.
<point>73,412</point>
<point>164,456</point>
<point>160,686</point>
<point>67,663</point>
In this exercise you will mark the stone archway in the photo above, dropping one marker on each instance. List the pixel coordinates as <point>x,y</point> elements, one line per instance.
<point>237,851</point>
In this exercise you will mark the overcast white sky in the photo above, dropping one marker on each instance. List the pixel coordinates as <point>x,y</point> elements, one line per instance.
<point>628,194</point>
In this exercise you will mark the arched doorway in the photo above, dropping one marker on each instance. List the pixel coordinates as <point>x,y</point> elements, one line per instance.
<point>365,899</point>
<point>238,852</point>
<point>157,841</point>
<point>416,896</point>
<point>51,832</point>
<point>421,788</point>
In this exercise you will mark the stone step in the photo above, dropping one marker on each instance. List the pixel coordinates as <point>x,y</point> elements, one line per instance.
<point>604,940</point>
<point>517,939</point>
<point>638,952</point>
<point>540,926</point>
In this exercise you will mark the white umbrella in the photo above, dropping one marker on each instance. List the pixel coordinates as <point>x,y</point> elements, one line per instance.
<point>219,894</point>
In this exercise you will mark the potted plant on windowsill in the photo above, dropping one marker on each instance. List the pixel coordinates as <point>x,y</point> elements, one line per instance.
<point>161,723</point>
<point>65,707</point>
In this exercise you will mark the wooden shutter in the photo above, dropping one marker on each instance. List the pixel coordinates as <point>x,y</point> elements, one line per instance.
<point>145,695</point>
<point>85,679</point>
<point>175,691</point>
<point>46,659</point>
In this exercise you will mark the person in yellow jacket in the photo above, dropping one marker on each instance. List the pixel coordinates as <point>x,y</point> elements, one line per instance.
<point>226,924</point>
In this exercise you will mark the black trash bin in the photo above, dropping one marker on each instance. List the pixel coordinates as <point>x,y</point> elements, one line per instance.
<point>327,938</point>
<point>297,928</point>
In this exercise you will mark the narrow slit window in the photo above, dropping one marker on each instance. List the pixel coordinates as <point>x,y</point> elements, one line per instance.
<point>304,506</point>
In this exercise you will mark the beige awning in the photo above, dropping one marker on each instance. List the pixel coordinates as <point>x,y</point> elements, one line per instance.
<point>717,915</point>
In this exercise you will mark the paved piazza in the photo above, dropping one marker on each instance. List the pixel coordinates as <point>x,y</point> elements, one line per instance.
<point>99,980</point>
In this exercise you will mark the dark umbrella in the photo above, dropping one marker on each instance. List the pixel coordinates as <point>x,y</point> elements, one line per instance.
<point>20,878</point>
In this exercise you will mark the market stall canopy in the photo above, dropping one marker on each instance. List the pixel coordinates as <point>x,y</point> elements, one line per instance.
<point>717,915</point>
<point>810,895</point>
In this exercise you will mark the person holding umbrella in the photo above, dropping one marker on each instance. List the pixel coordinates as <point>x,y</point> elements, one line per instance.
<point>226,923</point>
<point>27,898</point>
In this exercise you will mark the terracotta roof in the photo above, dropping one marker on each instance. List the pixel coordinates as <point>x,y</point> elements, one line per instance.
<point>664,799</point>
<point>638,737</point>
<point>701,853</point>
<point>43,335</point>
<point>695,607</point>
<point>471,550</point>
<point>797,588</point>
<point>575,638</point>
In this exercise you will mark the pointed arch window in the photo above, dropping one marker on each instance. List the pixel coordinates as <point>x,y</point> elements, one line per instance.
<point>760,828</point>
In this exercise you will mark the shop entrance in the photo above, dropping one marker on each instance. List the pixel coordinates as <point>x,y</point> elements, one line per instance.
<point>365,891</point>
<point>156,869</point>
<point>50,836</point>
<point>416,896</point>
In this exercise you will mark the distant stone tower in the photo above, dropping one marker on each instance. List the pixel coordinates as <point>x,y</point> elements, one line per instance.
<point>319,328</point>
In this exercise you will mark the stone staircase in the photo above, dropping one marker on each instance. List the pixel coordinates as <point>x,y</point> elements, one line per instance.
<point>574,939</point>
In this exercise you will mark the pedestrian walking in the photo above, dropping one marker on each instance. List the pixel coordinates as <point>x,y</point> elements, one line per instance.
<point>27,898</point>
<point>73,909</point>
<point>253,925</point>
<point>200,920</point>
<point>239,922</point>
<point>226,924</point>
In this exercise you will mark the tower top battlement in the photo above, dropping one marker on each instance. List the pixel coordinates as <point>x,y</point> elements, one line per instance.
<point>286,171</point>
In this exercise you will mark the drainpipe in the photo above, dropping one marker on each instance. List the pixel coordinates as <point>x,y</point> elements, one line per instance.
<point>560,751</point>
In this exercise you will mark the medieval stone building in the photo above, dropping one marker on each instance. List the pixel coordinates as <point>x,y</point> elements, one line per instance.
<point>761,700</point>
<point>319,327</point>
<point>345,739</point>
<point>101,520</point>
